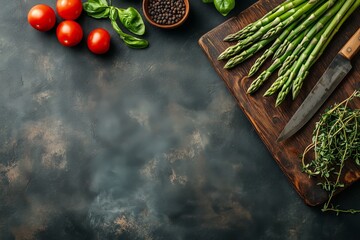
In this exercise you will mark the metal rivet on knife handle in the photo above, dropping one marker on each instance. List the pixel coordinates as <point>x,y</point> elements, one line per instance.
<point>352,46</point>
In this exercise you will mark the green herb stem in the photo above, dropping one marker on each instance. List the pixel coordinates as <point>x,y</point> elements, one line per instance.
<point>336,139</point>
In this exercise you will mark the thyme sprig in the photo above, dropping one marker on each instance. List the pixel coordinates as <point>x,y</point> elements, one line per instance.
<point>336,139</point>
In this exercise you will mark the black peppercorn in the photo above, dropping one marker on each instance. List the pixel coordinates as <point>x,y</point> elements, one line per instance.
<point>166,12</point>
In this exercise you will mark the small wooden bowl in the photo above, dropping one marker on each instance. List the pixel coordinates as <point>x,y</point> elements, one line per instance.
<point>145,7</point>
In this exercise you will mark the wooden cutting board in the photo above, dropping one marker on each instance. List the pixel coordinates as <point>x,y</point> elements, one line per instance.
<point>268,120</point>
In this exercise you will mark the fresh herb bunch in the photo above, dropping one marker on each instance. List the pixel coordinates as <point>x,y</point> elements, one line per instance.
<point>298,31</point>
<point>129,17</point>
<point>336,139</point>
<point>222,6</point>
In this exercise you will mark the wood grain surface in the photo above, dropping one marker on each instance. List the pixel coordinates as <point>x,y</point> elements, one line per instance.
<point>268,120</point>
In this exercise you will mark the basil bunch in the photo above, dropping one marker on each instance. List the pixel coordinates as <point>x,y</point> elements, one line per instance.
<point>129,17</point>
<point>222,6</point>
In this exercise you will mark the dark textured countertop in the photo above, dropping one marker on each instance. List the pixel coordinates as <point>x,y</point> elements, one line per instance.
<point>137,144</point>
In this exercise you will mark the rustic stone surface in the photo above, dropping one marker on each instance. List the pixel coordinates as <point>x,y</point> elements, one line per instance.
<point>136,144</point>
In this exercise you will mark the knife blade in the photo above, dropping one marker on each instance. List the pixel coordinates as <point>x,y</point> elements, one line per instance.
<point>333,75</point>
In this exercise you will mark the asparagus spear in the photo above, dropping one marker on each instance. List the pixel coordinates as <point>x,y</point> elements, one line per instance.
<point>235,49</point>
<point>323,41</point>
<point>276,64</point>
<point>348,14</point>
<point>269,17</point>
<point>290,60</point>
<point>309,45</point>
<point>232,62</point>
<point>289,57</point>
<point>310,34</point>
<point>304,25</point>
<point>260,61</point>
<point>292,72</point>
<point>271,29</point>
<point>307,7</point>
<point>284,73</point>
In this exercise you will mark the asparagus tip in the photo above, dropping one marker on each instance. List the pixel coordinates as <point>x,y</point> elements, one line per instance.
<point>227,39</point>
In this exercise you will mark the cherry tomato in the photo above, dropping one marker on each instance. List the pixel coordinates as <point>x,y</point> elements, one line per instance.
<point>98,41</point>
<point>69,33</point>
<point>42,17</point>
<point>69,9</point>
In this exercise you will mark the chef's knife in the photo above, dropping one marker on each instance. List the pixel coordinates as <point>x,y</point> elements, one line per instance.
<point>331,78</point>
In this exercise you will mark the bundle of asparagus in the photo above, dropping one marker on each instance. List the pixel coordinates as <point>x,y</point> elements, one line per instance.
<point>299,31</point>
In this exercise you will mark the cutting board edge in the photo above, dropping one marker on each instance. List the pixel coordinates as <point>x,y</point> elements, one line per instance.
<point>309,197</point>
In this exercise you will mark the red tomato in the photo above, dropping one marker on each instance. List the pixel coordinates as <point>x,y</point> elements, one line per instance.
<point>98,41</point>
<point>69,33</point>
<point>69,9</point>
<point>42,17</point>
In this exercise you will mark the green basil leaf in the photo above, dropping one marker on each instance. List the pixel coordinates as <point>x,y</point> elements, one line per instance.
<point>129,40</point>
<point>224,6</point>
<point>113,15</point>
<point>134,42</point>
<point>103,14</point>
<point>132,20</point>
<point>103,2</point>
<point>96,10</point>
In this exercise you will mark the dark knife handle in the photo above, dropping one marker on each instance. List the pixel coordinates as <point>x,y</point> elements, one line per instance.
<point>352,47</point>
